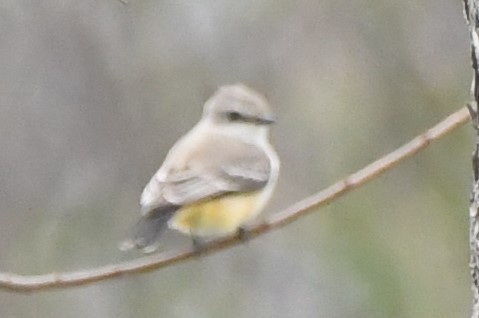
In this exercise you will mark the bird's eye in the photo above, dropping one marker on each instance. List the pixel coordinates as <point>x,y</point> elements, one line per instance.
<point>234,116</point>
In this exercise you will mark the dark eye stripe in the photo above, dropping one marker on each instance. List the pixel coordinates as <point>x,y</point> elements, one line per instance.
<point>234,116</point>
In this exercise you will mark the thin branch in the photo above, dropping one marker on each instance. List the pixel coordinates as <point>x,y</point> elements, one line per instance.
<point>23,283</point>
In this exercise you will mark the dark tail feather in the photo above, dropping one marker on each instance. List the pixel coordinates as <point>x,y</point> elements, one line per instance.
<point>148,230</point>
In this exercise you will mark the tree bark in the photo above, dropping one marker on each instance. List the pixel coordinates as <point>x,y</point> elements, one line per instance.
<point>471,13</point>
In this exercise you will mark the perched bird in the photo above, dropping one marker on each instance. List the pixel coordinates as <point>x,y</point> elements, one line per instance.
<point>215,179</point>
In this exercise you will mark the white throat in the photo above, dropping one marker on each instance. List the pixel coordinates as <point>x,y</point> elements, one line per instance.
<point>251,134</point>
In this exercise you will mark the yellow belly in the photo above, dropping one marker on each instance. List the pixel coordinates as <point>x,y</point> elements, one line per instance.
<point>218,216</point>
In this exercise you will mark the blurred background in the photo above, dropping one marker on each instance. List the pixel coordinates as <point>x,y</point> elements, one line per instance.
<point>94,93</point>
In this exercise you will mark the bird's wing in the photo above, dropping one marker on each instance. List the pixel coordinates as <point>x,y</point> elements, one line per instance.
<point>214,167</point>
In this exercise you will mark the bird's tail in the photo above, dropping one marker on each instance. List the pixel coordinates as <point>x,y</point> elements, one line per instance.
<point>148,230</point>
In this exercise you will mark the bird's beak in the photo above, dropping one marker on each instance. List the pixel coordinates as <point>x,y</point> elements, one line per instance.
<point>267,120</point>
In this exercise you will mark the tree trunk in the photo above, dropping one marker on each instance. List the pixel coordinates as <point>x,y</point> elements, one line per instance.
<point>471,11</point>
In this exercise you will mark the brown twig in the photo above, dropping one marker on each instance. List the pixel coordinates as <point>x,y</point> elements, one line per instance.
<point>23,283</point>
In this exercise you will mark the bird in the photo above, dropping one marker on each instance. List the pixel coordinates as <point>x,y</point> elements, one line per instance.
<point>217,178</point>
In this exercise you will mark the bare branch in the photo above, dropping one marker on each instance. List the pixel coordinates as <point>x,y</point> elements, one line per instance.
<point>25,283</point>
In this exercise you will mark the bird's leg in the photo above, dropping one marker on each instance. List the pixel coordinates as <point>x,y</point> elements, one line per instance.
<point>243,234</point>
<point>199,246</point>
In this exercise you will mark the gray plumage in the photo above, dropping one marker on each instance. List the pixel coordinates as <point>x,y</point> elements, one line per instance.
<point>226,152</point>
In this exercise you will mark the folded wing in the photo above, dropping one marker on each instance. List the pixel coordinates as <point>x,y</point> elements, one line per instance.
<point>216,168</point>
